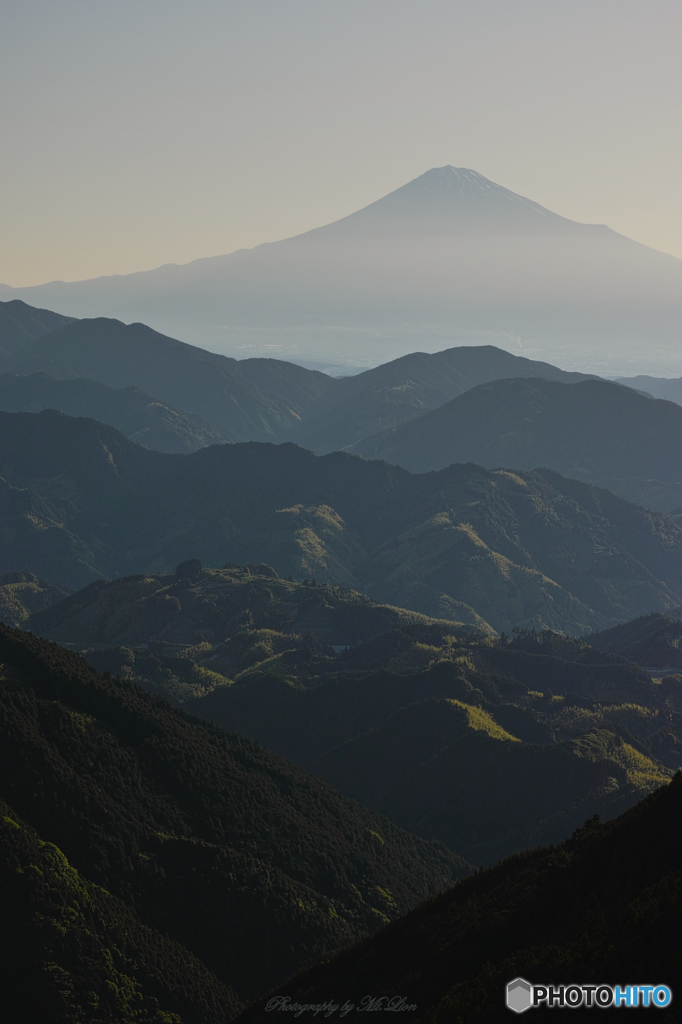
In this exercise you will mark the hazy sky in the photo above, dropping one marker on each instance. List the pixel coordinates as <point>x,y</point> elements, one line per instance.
<point>142,132</point>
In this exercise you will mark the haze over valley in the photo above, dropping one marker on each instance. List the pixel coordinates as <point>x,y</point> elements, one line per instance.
<point>450,258</point>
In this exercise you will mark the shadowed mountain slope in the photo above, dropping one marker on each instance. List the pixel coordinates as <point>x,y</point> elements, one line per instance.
<point>22,594</point>
<point>249,399</point>
<point>448,256</point>
<point>83,501</point>
<point>394,392</point>
<point>432,723</point>
<point>136,414</point>
<point>20,324</point>
<point>651,640</point>
<point>593,430</point>
<point>70,951</point>
<point>491,746</point>
<point>248,861</point>
<point>601,908</point>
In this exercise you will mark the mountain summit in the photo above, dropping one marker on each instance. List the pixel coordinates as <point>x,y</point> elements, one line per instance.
<point>443,201</point>
<point>450,258</point>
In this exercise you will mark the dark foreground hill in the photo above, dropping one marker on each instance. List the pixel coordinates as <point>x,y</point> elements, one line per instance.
<point>80,501</point>
<point>136,414</point>
<point>70,951</point>
<point>246,860</point>
<point>602,908</point>
<point>593,430</point>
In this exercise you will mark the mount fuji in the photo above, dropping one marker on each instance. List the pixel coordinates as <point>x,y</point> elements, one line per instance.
<point>450,258</point>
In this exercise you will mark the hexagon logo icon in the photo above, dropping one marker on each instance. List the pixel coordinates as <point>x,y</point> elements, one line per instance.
<point>519,995</point>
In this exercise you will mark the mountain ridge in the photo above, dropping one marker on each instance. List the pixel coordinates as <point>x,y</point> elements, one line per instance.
<point>593,430</point>
<point>80,501</point>
<point>384,277</point>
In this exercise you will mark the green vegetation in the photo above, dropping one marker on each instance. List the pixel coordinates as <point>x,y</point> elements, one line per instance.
<point>247,610</point>
<point>22,595</point>
<point>602,907</point>
<point>248,862</point>
<point>70,951</point>
<point>435,724</point>
<point>468,544</point>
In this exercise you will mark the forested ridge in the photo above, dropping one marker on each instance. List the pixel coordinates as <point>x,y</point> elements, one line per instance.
<point>250,863</point>
<point>79,501</point>
<point>601,908</point>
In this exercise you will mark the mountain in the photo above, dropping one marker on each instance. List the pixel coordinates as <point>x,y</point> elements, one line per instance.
<point>136,414</point>
<point>600,909</point>
<point>659,387</point>
<point>395,392</point>
<point>20,324</point>
<point>650,640</point>
<point>404,712</point>
<point>71,951</point>
<point>253,398</point>
<point>211,605</point>
<point>80,501</point>
<point>247,861</point>
<point>454,739</point>
<point>22,594</point>
<point>450,256</point>
<point>593,430</point>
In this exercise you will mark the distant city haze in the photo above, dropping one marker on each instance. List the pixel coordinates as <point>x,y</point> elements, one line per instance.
<point>449,258</point>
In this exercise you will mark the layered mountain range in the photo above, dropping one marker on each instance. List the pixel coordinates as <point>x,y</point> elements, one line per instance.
<point>382,629</point>
<point>433,723</point>
<point>237,400</point>
<point>422,411</point>
<point>80,501</point>
<point>594,430</point>
<point>448,257</point>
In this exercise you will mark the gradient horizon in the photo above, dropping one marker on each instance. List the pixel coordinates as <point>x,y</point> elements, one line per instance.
<point>142,134</point>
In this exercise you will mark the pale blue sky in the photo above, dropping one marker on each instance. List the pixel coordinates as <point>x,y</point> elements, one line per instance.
<point>140,132</point>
